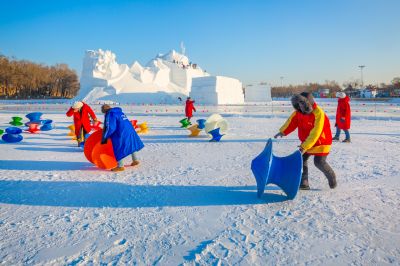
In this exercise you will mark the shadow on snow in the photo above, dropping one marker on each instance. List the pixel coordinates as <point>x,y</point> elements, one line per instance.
<point>45,165</point>
<point>118,195</point>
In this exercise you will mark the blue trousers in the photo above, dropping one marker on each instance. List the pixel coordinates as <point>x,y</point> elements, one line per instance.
<point>346,132</point>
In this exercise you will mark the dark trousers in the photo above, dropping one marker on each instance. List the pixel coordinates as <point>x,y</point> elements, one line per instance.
<point>322,165</point>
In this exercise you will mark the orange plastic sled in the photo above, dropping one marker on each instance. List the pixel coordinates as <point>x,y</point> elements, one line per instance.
<point>90,142</point>
<point>100,155</point>
<point>103,156</point>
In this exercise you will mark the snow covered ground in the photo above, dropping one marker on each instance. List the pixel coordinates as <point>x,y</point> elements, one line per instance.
<point>194,202</point>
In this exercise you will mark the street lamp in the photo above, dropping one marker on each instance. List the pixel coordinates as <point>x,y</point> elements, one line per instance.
<point>282,81</point>
<point>362,79</point>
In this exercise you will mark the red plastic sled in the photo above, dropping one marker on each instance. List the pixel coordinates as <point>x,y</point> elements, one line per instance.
<point>101,155</point>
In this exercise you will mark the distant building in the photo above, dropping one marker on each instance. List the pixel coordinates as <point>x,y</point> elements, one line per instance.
<point>323,93</point>
<point>257,93</point>
<point>368,93</point>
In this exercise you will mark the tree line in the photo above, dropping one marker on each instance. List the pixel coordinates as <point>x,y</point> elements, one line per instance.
<point>384,90</point>
<point>287,91</point>
<point>22,79</point>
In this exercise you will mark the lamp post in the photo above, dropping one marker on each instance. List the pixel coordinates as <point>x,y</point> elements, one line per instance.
<point>362,79</point>
<point>282,81</point>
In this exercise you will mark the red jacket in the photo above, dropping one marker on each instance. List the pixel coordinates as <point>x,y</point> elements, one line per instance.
<point>81,118</point>
<point>343,113</point>
<point>314,130</point>
<point>189,108</point>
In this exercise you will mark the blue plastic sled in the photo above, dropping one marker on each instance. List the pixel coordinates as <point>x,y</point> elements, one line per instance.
<point>216,136</point>
<point>285,172</point>
<point>34,116</point>
<point>201,123</point>
<point>13,135</point>
<point>47,125</point>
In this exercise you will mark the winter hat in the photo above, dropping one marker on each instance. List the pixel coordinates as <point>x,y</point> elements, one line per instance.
<point>77,105</point>
<point>105,108</point>
<point>301,104</point>
<point>340,94</point>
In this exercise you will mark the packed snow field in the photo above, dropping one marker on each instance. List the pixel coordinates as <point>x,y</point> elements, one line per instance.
<point>194,202</point>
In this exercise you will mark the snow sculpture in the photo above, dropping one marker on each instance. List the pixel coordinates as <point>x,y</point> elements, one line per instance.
<point>285,172</point>
<point>258,93</point>
<point>162,80</point>
<point>217,90</point>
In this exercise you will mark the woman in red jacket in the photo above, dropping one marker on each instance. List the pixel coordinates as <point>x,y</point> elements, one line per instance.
<point>314,131</point>
<point>189,108</point>
<point>343,116</point>
<point>81,112</point>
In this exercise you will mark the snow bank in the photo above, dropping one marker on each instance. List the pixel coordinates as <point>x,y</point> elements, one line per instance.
<point>217,90</point>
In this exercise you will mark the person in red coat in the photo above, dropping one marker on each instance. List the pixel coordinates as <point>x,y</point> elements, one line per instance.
<point>343,116</point>
<point>82,114</point>
<point>189,108</point>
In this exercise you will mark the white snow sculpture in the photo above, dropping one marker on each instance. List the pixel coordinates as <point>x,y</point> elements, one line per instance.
<point>258,93</point>
<point>162,80</point>
<point>216,121</point>
<point>217,90</point>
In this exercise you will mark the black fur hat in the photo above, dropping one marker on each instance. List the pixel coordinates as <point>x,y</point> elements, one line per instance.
<point>301,104</point>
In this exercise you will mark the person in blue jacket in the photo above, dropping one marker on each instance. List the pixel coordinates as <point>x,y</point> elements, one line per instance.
<point>125,140</point>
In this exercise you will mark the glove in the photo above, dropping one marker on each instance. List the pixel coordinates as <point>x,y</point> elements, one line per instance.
<point>280,134</point>
<point>301,150</point>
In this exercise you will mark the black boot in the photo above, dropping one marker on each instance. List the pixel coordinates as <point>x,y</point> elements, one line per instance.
<point>304,184</point>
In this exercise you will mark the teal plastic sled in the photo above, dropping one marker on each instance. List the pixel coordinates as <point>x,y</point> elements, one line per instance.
<point>285,172</point>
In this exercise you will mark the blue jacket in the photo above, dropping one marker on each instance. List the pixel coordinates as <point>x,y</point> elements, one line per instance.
<point>124,138</point>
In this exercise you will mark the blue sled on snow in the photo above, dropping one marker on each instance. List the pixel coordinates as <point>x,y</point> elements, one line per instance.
<point>34,116</point>
<point>47,125</point>
<point>216,135</point>
<point>285,172</point>
<point>201,123</point>
<point>12,135</point>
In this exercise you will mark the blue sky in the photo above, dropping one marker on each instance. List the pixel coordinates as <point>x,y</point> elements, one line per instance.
<point>303,41</point>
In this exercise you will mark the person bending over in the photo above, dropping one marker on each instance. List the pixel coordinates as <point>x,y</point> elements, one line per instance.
<point>125,140</point>
<point>314,132</point>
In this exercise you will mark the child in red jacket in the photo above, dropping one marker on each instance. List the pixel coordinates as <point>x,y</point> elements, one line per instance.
<point>343,116</point>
